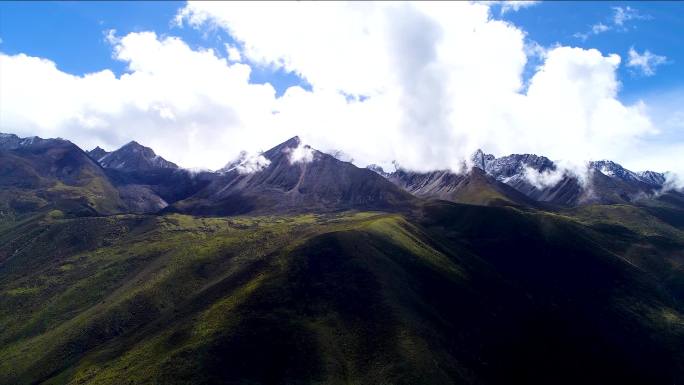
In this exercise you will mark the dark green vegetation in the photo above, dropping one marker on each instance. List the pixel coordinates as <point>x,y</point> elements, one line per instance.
<point>451,294</point>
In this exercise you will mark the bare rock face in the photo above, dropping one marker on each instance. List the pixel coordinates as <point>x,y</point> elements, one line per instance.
<point>97,153</point>
<point>141,198</point>
<point>297,178</point>
<point>130,157</point>
<point>536,177</point>
<point>472,187</point>
<point>147,182</point>
<point>518,170</point>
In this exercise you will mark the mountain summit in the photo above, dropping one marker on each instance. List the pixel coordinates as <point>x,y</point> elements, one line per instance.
<point>130,157</point>
<point>295,177</point>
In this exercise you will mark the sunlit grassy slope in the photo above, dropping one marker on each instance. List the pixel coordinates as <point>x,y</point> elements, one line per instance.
<point>455,294</point>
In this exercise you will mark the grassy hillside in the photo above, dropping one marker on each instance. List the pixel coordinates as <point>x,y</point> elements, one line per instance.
<point>457,294</point>
<point>59,176</point>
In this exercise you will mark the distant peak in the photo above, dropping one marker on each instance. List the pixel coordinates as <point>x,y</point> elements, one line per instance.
<point>293,142</point>
<point>286,146</point>
<point>132,156</point>
<point>480,159</point>
<point>136,147</point>
<point>133,143</point>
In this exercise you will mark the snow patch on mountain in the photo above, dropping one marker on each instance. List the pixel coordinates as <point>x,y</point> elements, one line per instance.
<point>614,170</point>
<point>652,177</point>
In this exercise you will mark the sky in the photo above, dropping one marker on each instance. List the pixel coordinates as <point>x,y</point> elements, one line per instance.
<point>420,84</point>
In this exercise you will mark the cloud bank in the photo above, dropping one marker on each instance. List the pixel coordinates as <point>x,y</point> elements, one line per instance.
<point>422,84</point>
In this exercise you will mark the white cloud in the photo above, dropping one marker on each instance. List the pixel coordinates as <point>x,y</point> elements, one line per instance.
<point>516,5</point>
<point>249,163</point>
<point>646,62</point>
<point>595,29</point>
<point>673,182</point>
<point>439,80</point>
<point>233,53</point>
<point>618,22</point>
<point>621,15</point>
<point>301,154</point>
<point>599,28</point>
<point>110,36</point>
<point>540,180</point>
<point>191,106</point>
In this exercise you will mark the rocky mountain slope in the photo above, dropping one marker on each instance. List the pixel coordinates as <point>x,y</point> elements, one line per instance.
<point>473,187</point>
<point>146,183</point>
<point>130,157</point>
<point>284,184</point>
<point>536,177</point>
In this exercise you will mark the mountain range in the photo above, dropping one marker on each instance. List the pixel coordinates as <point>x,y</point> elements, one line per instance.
<point>537,178</point>
<point>295,267</point>
<point>135,179</point>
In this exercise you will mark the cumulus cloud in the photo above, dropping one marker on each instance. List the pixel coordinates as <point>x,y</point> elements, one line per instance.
<point>189,105</point>
<point>422,84</point>
<point>646,62</point>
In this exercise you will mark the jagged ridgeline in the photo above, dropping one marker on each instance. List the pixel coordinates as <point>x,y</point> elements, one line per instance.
<point>120,267</point>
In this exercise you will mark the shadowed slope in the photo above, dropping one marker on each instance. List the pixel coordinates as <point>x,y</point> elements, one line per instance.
<point>466,294</point>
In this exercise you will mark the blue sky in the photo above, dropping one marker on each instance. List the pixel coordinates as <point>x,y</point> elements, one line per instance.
<point>656,26</point>
<point>391,67</point>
